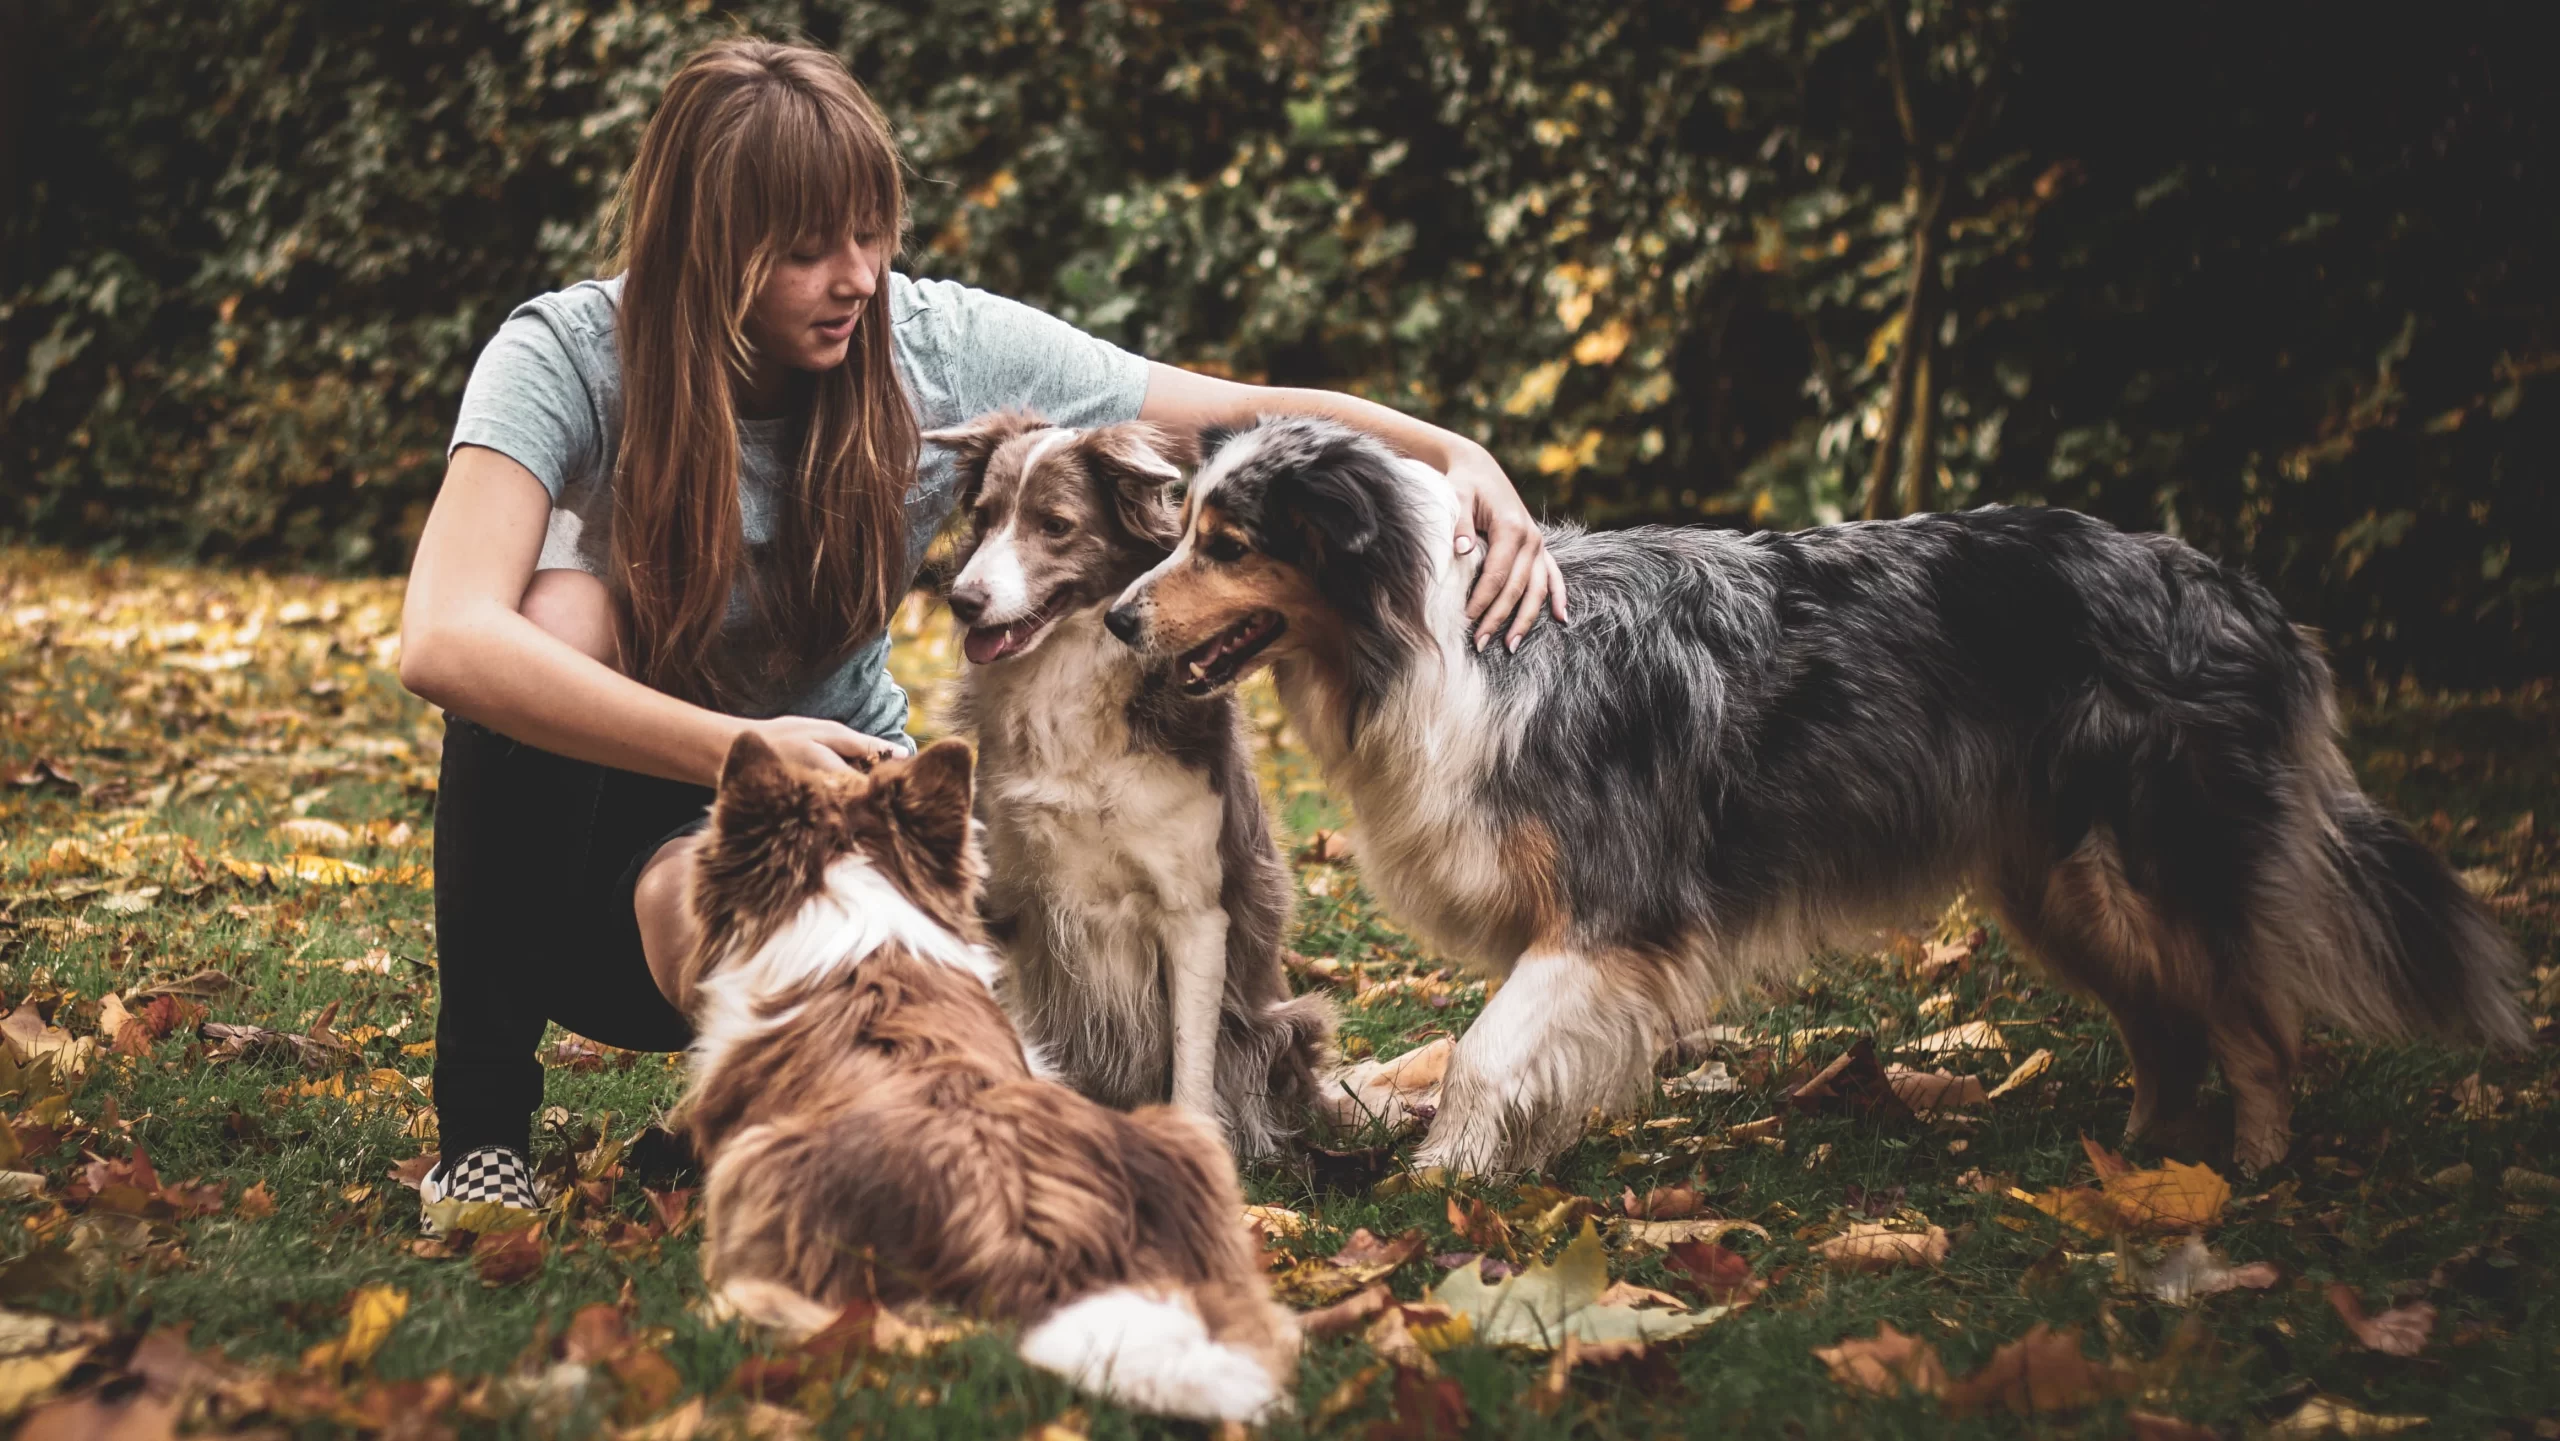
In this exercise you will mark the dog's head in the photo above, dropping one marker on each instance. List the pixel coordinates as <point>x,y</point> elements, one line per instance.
<point>777,827</point>
<point>1059,520</point>
<point>1297,536</point>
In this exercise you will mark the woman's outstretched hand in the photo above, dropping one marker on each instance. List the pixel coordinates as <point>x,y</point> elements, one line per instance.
<point>821,744</point>
<point>1518,576</point>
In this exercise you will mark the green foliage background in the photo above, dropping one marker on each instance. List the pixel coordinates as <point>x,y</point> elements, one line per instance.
<point>2276,276</point>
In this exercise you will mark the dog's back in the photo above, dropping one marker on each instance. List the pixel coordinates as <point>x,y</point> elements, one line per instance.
<point>872,1129</point>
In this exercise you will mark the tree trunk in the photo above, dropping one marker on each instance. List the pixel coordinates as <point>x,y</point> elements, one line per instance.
<point>1922,491</point>
<point>1910,364</point>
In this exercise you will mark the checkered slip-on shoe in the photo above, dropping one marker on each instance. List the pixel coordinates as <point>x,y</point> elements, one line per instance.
<point>491,1173</point>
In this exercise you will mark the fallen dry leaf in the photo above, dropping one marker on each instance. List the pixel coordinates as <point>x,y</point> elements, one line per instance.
<point>1929,1093</point>
<point>1886,1363</point>
<point>1724,1276</point>
<point>1874,1246</point>
<point>1662,1203</point>
<point>2177,1197</point>
<point>1663,1235</point>
<point>2025,1071</point>
<point>1328,848</point>
<point>2328,1416</point>
<point>1348,1314</point>
<point>2189,1270</point>
<point>1971,1036</point>
<point>30,1040</point>
<point>1363,1259</point>
<point>1854,1081</point>
<point>2151,1426</point>
<point>1396,1092</point>
<point>306,832</point>
<point>2038,1374</point>
<point>370,1317</point>
<point>2400,1331</point>
<point>1549,1301</point>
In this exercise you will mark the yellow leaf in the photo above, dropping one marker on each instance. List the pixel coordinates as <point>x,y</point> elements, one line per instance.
<point>375,1311</point>
<point>1881,344</point>
<point>1536,389</point>
<point>1605,344</point>
<point>1871,1246</point>
<point>2326,1416</point>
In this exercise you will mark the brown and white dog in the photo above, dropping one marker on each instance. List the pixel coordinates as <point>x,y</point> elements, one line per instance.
<point>870,1126</point>
<point>1135,891</point>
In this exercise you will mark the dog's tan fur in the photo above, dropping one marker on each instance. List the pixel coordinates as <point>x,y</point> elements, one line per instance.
<point>874,1130</point>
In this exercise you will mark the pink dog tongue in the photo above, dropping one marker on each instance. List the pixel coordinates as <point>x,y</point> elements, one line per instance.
<point>994,643</point>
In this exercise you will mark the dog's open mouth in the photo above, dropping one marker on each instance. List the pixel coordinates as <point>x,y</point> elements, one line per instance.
<point>1207,666</point>
<point>985,644</point>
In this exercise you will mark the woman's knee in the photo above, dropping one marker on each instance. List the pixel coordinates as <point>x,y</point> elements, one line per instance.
<point>667,929</point>
<point>575,607</point>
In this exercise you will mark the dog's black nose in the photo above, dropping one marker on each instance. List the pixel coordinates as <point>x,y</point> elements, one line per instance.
<point>968,602</point>
<point>1123,621</point>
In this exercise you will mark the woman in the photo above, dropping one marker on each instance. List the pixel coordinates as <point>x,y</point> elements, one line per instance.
<point>681,504</point>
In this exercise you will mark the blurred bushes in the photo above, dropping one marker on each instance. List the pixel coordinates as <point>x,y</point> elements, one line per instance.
<point>2272,276</point>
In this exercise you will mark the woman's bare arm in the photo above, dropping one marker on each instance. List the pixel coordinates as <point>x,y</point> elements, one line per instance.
<point>466,645</point>
<point>1518,577</point>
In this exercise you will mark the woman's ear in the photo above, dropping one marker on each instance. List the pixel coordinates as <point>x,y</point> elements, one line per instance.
<point>1140,464</point>
<point>976,441</point>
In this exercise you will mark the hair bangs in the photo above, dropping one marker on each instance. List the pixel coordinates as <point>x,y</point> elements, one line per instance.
<point>818,172</point>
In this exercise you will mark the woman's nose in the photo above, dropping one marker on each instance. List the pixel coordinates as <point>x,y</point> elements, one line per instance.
<point>857,274</point>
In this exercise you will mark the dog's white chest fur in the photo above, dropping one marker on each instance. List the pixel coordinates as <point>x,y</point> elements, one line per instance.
<point>1080,821</point>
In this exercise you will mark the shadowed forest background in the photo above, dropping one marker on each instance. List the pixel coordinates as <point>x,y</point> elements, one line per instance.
<point>2277,277</point>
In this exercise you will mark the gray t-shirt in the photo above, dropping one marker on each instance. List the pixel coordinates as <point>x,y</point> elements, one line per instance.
<point>547,393</point>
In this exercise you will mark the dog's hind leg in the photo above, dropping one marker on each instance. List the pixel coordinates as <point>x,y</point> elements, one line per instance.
<point>2257,1039</point>
<point>2094,931</point>
<point>1567,1032</point>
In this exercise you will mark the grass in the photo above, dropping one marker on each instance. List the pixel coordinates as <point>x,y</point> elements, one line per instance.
<point>199,712</point>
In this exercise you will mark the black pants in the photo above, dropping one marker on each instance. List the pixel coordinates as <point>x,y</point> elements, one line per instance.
<point>536,856</point>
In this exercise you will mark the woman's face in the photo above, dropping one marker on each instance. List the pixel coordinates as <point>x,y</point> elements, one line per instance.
<point>804,316</point>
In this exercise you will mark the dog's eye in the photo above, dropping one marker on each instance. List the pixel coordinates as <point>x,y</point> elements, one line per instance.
<point>1224,549</point>
<point>1056,525</point>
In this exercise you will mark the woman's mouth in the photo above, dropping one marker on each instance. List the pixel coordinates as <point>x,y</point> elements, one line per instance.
<point>840,328</point>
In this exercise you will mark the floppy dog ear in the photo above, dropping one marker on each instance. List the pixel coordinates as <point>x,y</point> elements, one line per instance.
<point>975,441</point>
<point>1141,464</point>
<point>1332,504</point>
<point>1214,438</point>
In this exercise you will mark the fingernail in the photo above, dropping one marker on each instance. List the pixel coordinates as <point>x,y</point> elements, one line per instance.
<point>1466,544</point>
<point>1515,645</point>
<point>1480,642</point>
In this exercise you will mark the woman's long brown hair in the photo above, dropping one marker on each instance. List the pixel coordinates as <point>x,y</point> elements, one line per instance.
<point>756,148</point>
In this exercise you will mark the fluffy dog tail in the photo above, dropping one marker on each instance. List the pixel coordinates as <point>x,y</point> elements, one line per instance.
<point>2409,949</point>
<point>1267,1067</point>
<point>1150,1350</point>
<point>1188,1328</point>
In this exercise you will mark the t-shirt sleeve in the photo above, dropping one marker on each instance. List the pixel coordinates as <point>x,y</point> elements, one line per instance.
<point>526,401</point>
<point>1004,353</point>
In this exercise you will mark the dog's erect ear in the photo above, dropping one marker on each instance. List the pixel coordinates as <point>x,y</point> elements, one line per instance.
<point>931,797</point>
<point>974,441</point>
<point>1141,464</point>
<point>753,772</point>
<point>760,799</point>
